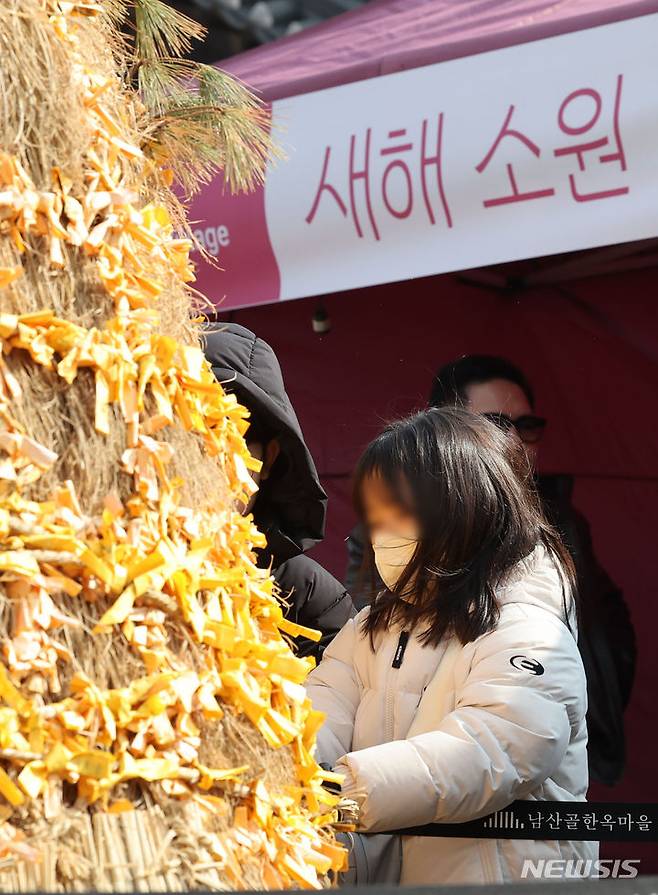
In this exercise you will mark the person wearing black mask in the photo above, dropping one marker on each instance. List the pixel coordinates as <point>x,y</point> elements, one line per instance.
<point>290,505</point>
<point>500,391</point>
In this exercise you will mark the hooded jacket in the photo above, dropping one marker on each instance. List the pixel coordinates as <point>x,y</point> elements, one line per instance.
<point>455,732</point>
<point>291,505</point>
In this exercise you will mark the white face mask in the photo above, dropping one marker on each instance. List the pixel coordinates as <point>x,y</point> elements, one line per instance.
<point>393,552</point>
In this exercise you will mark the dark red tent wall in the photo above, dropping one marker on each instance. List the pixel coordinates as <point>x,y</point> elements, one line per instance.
<point>591,351</point>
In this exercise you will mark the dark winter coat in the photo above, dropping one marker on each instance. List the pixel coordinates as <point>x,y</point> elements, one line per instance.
<point>606,635</point>
<point>291,505</point>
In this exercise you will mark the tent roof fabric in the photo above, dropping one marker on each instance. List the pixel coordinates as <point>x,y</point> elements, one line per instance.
<point>387,36</point>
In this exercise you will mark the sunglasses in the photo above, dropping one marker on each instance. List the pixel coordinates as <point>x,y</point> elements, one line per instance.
<point>529,427</point>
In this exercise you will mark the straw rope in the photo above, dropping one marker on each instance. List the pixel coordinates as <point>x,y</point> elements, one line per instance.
<point>154,730</point>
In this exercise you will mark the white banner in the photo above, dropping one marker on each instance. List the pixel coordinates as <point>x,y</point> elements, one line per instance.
<point>532,150</point>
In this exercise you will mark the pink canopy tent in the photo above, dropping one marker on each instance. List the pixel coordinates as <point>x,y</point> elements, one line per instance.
<point>576,181</point>
<point>388,36</point>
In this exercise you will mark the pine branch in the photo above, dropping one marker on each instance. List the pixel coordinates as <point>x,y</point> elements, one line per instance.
<point>202,120</point>
<point>208,123</point>
<point>196,141</point>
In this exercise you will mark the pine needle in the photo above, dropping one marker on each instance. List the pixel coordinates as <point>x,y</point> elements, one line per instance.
<point>165,83</point>
<point>218,88</point>
<point>161,31</point>
<point>115,10</point>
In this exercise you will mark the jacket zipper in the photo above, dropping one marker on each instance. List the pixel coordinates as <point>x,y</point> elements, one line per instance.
<point>389,703</point>
<point>399,650</point>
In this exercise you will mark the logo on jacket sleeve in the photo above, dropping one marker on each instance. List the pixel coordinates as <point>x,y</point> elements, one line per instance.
<point>524,663</point>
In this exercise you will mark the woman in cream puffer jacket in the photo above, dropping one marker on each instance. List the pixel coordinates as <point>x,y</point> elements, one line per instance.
<point>450,731</point>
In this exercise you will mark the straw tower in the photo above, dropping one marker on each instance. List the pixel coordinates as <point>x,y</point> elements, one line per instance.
<point>154,733</point>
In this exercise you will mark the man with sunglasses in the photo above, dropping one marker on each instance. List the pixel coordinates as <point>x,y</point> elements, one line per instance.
<point>495,388</point>
<point>500,391</point>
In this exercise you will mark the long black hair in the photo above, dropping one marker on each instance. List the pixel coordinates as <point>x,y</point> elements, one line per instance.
<point>470,488</point>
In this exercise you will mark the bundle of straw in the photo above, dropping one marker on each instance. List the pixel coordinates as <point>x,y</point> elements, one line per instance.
<point>154,730</point>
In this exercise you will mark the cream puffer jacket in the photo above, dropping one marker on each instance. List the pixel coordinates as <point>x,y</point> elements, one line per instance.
<point>456,732</point>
